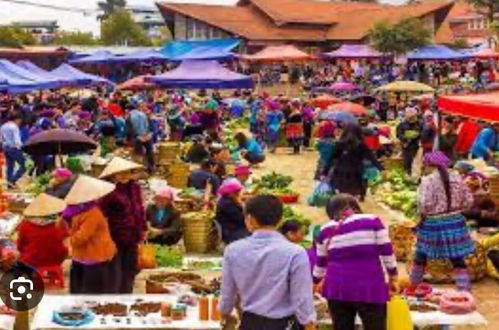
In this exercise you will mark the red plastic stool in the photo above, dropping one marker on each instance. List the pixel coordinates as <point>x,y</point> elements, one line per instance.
<point>53,276</point>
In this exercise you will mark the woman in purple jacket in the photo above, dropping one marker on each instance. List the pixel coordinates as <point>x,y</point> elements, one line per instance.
<point>354,250</point>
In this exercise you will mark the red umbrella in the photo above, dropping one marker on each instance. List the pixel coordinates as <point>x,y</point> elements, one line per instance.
<point>325,101</point>
<point>137,83</point>
<point>350,107</point>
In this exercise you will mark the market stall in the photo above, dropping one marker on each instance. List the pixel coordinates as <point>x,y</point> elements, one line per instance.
<point>161,311</point>
<point>201,74</point>
<point>435,53</point>
<point>478,106</point>
<point>355,52</point>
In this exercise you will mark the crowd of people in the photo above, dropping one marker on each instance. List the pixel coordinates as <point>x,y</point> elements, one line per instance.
<point>265,273</point>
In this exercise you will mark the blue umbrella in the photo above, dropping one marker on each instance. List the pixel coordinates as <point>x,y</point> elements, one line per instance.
<point>344,117</point>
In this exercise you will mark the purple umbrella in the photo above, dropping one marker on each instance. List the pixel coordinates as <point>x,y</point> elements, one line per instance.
<point>338,116</point>
<point>58,142</point>
<point>343,86</point>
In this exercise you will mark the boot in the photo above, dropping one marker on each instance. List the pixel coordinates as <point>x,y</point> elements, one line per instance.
<point>462,278</point>
<point>416,276</point>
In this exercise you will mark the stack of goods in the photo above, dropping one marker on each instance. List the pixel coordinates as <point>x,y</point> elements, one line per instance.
<point>403,239</point>
<point>168,283</point>
<point>441,271</point>
<point>279,185</point>
<point>200,235</point>
<point>398,191</point>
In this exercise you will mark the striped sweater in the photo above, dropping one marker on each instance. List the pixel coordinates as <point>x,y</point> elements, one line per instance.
<point>353,257</point>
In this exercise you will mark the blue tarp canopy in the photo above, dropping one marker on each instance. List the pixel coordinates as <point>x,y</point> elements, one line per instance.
<point>20,80</point>
<point>202,74</point>
<point>80,78</point>
<point>99,57</point>
<point>436,52</point>
<point>215,49</point>
<point>144,55</point>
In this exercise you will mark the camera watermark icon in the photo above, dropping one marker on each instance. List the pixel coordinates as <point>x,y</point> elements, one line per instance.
<point>21,289</point>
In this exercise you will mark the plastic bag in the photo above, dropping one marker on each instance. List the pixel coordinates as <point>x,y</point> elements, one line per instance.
<point>147,256</point>
<point>321,194</point>
<point>457,302</point>
<point>399,314</point>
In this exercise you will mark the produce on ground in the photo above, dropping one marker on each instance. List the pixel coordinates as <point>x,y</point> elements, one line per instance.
<point>39,185</point>
<point>203,264</point>
<point>275,183</point>
<point>398,191</point>
<point>168,256</point>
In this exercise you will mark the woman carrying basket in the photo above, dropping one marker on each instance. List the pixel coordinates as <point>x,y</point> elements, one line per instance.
<point>442,234</point>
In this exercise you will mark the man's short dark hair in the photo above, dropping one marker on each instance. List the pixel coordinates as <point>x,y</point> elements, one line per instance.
<point>266,209</point>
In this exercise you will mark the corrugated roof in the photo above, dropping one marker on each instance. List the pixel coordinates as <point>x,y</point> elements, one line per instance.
<point>267,19</point>
<point>243,21</point>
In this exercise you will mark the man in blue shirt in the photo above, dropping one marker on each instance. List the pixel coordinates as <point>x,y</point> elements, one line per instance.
<point>141,134</point>
<point>10,135</point>
<point>269,274</point>
<point>486,143</point>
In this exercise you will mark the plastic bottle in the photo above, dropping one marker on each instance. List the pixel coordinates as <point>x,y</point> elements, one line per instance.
<point>215,312</point>
<point>204,308</point>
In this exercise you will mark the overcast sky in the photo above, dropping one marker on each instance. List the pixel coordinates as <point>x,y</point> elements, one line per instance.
<point>75,21</point>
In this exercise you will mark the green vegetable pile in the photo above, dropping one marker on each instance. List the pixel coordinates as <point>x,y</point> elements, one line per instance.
<point>238,124</point>
<point>203,264</point>
<point>398,191</point>
<point>169,257</point>
<point>275,183</point>
<point>39,185</point>
<point>290,214</point>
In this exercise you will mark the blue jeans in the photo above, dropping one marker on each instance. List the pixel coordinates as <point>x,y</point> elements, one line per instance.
<point>14,156</point>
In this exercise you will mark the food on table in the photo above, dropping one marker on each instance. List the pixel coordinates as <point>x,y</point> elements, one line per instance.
<point>203,264</point>
<point>158,283</point>
<point>421,291</point>
<point>422,307</point>
<point>204,308</point>
<point>215,312</point>
<point>114,309</point>
<point>145,308</point>
<point>177,313</point>
<point>73,318</point>
<point>166,309</point>
<point>457,302</point>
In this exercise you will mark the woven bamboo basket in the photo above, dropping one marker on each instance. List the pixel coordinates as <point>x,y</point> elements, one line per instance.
<point>403,240</point>
<point>178,174</point>
<point>168,152</point>
<point>393,163</point>
<point>200,235</point>
<point>441,272</point>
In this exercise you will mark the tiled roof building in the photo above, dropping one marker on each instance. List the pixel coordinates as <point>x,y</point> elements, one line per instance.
<point>307,22</point>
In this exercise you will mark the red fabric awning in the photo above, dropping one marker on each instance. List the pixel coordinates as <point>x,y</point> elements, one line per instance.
<point>486,53</point>
<point>478,106</point>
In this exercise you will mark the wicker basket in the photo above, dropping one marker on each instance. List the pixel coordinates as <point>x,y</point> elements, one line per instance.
<point>200,234</point>
<point>403,240</point>
<point>178,174</point>
<point>441,271</point>
<point>168,152</point>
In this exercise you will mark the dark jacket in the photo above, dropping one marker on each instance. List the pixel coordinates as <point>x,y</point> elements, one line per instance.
<point>403,127</point>
<point>62,190</point>
<point>126,215</point>
<point>199,179</point>
<point>230,217</point>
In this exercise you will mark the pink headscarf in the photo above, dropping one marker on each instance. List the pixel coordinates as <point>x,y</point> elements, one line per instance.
<point>230,186</point>
<point>62,173</point>
<point>167,192</point>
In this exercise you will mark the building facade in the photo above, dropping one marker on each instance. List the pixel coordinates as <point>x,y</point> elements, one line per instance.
<point>149,18</point>
<point>43,31</point>
<point>301,22</point>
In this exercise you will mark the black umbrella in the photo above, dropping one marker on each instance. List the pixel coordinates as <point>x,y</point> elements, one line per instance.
<point>59,142</point>
<point>365,99</point>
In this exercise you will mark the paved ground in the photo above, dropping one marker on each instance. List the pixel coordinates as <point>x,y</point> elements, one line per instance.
<point>302,167</point>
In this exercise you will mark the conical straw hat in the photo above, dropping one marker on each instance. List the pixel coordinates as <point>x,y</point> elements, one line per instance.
<point>44,205</point>
<point>87,189</point>
<point>117,165</point>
